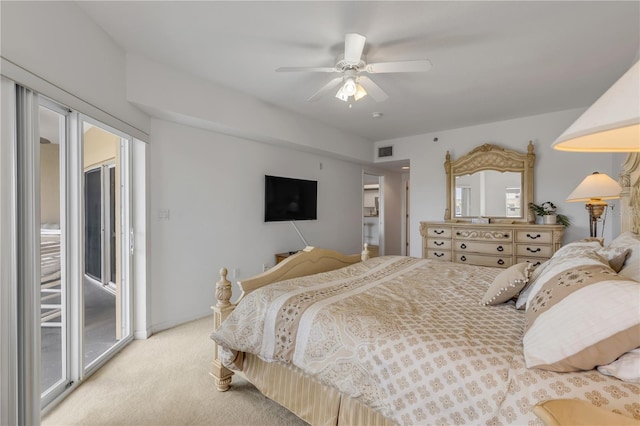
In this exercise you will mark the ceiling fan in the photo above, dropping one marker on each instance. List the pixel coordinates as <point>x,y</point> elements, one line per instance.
<point>352,66</point>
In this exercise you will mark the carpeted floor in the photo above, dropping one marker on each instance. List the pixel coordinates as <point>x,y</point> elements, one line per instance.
<point>165,381</point>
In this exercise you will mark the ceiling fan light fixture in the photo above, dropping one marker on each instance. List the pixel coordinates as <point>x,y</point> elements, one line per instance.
<point>342,95</point>
<point>350,87</point>
<point>360,92</point>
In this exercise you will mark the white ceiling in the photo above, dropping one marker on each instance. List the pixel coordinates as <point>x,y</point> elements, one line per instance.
<point>491,60</point>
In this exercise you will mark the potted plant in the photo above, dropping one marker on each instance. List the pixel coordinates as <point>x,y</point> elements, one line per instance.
<point>549,215</point>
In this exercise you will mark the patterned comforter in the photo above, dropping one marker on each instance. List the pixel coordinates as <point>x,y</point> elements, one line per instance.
<point>408,337</point>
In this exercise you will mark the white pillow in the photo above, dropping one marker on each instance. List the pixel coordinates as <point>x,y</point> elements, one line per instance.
<point>574,250</point>
<point>626,368</point>
<point>580,314</point>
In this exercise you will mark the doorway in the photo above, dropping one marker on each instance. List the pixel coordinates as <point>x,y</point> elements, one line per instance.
<point>373,213</point>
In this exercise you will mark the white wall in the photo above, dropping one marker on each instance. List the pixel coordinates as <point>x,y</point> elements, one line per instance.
<point>213,186</point>
<point>58,42</point>
<point>190,100</point>
<point>556,173</point>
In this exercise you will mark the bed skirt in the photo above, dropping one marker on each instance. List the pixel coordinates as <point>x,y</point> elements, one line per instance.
<point>313,402</point>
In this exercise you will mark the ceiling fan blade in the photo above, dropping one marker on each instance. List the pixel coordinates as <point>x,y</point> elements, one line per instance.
<point>324,89</point>
<point>307,69</point>
<point>353,47</point>
<point>372,89</point>
<point>400,66</point>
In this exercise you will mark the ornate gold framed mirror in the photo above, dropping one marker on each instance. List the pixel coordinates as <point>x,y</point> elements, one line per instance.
<point>490,182</point>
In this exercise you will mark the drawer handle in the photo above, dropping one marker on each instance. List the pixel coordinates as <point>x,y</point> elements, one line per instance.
<point>463,258</point>
<point>500,262</point>
<point>500,248</point>
<point>438,232</point>
<point>534,237</point>
<point>438,254</point>
<point>533,251</point>
<point>438,243</point>
<point>535,264</point>
<point>463,246</point>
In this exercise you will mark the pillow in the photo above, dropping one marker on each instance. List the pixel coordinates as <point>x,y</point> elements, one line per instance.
<point>524,293</point>
<point>631,268</point>
<point>580,314</point>
<point>626,368</point>
<point>508,284</point>
<point>571,250</point>
<point>616,256</point>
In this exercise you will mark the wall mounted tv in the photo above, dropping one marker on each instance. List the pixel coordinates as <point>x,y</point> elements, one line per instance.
<point>289,199</point>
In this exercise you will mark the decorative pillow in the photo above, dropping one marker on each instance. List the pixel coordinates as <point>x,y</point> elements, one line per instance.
<point>626,368</point>
<point>591,239</point>
<point>580,314</point>
<point>508,284</point>
<point>631,268</point>
<point>616,256</point>
<point>571,250</point>
<point>524,293</point>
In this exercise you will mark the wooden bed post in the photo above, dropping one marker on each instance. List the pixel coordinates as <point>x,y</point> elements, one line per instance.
<point>221,310</point>
<point>366,254</point>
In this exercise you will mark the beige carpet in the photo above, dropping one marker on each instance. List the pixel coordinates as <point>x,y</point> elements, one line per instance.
<point>165,381</point>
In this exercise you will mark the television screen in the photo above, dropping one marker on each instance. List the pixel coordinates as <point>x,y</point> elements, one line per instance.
<point>289,199</point>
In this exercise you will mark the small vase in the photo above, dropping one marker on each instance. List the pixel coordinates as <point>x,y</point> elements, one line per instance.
<point>550,219</point>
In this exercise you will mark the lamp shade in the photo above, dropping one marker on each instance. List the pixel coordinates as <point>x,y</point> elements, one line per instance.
<point>596,186</point>
<point>612,123</point>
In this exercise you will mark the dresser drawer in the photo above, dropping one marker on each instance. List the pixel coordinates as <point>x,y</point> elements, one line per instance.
<point>534,250</point>
<point>478,259</point>
<point>534,236</point>
<point>438,244</point>
<point>537,261</point>
<point>484,234</point>
<point>439,232</point>
<point>483,248</point>
<point>439,254</point>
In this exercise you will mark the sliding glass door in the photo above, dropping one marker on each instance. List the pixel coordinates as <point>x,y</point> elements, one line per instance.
<point>54,309</point>
<point>81,221</point>
<point>106,215</point>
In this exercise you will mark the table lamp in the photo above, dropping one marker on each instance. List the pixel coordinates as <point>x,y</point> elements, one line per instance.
<point>593,190</point>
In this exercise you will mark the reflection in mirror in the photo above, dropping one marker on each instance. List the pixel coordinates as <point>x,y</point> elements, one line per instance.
<point>491,182</point>
<point>488,193</point>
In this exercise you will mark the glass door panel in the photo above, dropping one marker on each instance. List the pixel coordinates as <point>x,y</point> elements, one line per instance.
<point>53,286</point>
<point>103,281</point>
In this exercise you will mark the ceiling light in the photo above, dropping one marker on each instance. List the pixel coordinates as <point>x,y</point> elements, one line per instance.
<point>350,87</point>
<point>405,167</point>
<point>360,92</point>
<point>611,124</point>
<point>341,95</point>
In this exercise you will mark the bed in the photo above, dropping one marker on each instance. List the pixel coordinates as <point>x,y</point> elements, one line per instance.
<point>399,340</point>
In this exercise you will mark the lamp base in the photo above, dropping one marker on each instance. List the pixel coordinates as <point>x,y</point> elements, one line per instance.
<point>595,208</point>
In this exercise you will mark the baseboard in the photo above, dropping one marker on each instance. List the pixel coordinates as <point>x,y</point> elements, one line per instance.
<point>173,323</point>
<point>142,334</point>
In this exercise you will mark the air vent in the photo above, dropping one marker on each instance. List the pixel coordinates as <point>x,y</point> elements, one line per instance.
<point>385,151</point>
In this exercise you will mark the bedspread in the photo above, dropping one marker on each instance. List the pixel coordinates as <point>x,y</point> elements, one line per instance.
<point>408,337</point>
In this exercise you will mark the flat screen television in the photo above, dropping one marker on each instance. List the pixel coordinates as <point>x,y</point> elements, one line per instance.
<point>288,199</point>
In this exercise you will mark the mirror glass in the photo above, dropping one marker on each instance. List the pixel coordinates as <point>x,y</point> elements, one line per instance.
<point>488,193</point>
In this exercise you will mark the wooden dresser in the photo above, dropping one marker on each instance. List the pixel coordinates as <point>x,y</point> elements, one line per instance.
<point>494,244</point>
